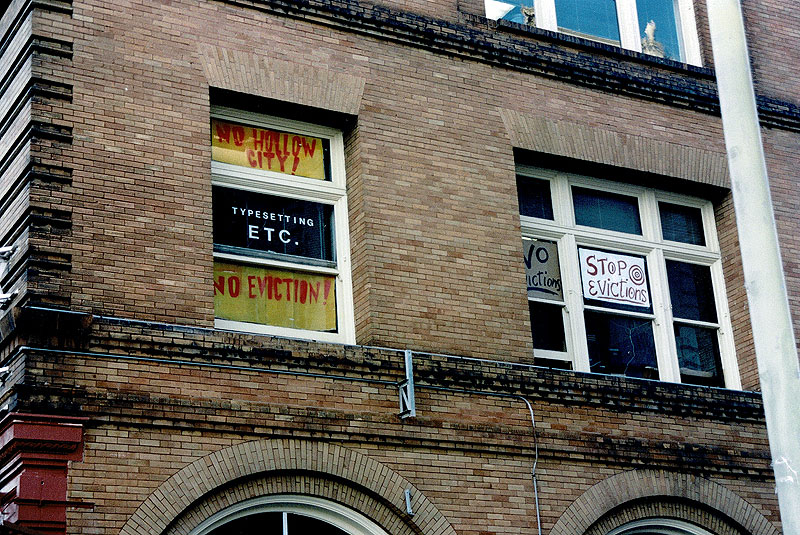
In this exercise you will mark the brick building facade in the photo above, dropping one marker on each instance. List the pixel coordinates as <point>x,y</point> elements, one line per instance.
<point>229,225</point>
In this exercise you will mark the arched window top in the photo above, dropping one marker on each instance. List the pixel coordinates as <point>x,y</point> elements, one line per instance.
<point>287,514</point>
<point>659,526</point>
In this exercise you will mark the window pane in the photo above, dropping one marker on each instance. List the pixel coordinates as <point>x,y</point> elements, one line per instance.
<point>596,18</point>
<point>661,38</point>
<point>278,151</point>
<point>610,211</point>
<point>258,524</point>
<point>534,197</point>
<point>268,296</point>
<point>542,272</point>
<point>698,355</point>
<point>259,222</point>
<point>621,345</point>
<point>304,525</point>
<point>681,223</point>
<point>547,326</point>
<point>512,11</point>
<point>615,280</point>
<point>691,291</point>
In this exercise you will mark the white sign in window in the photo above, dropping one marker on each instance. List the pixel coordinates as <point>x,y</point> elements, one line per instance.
<point>541,270</point>
<point>614,278</point>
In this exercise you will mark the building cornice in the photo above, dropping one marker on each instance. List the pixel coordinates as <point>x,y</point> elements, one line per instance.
<point>513,46</point>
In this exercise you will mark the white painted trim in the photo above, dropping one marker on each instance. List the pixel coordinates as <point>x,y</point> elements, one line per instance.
<point>333,192</point>
<point>629,25</point>
<point>650,244</point>
<point>659,526</point>
<point>687,33</point>
<point>545,15</point>
<point>346,519</point>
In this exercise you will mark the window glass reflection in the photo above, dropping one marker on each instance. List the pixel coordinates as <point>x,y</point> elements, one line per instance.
<point>610,211</point>
<point>621,345</point>
<point>595,18</point>
<point>698,355</point>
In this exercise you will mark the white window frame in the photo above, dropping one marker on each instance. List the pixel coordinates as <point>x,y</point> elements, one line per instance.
<point>660,526</point>
<point>342,517</point>
<point>629,31</point>
<point>332,192</point>
<point>569,236</point>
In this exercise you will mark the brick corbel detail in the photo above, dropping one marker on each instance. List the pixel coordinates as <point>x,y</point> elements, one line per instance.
<point>35,451</point>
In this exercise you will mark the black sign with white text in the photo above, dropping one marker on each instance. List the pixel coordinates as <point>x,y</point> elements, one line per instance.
<point>262,222</point>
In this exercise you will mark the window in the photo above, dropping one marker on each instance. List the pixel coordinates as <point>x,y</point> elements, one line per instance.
<point>661,28</point>
<point>659,526</point>
<point>281,247</point>
<point>287,514</point>
<point>624,280</point>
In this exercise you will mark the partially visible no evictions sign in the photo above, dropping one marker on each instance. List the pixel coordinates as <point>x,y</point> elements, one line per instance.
<point>615,278</point>
<point>272,150</point>
<point>268,296</point>
<point>542,270</point>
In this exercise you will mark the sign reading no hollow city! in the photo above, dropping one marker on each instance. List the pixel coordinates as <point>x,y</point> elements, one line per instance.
<point>614,278</point>
<point>270,150</point>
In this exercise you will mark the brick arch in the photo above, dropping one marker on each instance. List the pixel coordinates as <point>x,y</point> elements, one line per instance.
<point>636,485</point>
<point>254,460</point>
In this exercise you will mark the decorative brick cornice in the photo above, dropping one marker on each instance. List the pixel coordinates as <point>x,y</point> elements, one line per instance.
<point>569,388</point>
<point>568,59</point>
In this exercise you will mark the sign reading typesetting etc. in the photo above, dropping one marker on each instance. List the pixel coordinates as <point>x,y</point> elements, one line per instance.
<point>615,278</point>
<point>271,150</point>
<point>261,222</point>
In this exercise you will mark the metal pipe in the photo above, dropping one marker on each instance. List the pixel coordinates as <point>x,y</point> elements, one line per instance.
<point>773,335</point>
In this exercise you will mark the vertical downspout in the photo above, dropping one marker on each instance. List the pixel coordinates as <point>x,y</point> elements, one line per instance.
<point>773,335</point>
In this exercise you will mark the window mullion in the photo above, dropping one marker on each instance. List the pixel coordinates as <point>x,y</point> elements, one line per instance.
<point>573,297</point>
<point>562,202</point>
<point>628,25</point>
<point>651,225</point>
<point>666,351</point>
<point>344,284</point>
<point>546,14</point>
<point>727,349</point>
<point>688,33</point>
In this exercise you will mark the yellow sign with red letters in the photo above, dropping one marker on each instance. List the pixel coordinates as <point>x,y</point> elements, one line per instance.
<point>272,150</point>
<point>258,294</point>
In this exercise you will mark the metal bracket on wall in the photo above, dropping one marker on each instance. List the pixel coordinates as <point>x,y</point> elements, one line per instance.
<point>409,510</point>
<point>408,406</point>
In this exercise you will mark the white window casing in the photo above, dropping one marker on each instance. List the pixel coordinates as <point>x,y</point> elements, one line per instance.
<point>570,237</point>
<point>348,520</point>
<point>330,192</point>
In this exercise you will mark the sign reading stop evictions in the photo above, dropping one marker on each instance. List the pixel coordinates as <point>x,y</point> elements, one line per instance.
<point>614,278</point>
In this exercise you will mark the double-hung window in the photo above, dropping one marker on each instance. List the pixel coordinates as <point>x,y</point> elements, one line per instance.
<point>624,280</point>
<point>662,28</point>
<point>281,247</point>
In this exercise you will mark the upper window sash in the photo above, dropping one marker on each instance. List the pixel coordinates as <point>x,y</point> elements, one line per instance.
<point>335,165</point>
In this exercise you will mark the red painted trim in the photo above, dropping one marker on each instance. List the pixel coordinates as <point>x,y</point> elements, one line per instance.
<point>35,452</point>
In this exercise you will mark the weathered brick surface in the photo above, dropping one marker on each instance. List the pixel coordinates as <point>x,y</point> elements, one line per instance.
<point>160,399</point>
<point>116,211</point>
